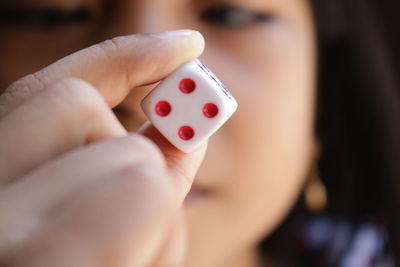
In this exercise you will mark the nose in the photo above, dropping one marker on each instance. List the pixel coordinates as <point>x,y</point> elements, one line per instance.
<point>145,16</point>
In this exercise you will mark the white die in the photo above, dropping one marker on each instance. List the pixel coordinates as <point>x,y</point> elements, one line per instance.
<point>189,106</point>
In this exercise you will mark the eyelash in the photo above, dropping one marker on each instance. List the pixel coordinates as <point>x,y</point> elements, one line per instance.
<point>232,16</point>
<point>218,15</point>
<point>44,16</point>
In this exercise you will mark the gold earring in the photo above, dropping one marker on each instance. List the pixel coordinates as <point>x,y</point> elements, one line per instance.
<point>315,195</point>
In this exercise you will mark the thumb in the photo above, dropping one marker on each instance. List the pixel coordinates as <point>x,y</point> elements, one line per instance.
<point>114,66</point>
<point>181,166</point>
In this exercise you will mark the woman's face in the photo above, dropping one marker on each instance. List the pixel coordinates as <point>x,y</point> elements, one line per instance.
<point>263,50</point>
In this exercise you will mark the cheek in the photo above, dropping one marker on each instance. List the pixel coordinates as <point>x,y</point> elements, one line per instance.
<point>274,121</point>
<point>271,149</point>
<point>259,159</point>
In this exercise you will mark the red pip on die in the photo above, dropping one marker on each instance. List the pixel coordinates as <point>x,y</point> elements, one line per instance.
<point>189,106</point>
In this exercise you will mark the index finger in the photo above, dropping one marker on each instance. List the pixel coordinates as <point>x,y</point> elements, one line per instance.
<point>113,66</point>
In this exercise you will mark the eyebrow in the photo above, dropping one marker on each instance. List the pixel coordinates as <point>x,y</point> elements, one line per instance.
<point>51,16</point>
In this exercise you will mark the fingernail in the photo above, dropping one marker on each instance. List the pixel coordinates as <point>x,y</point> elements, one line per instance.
<point>172,34</point>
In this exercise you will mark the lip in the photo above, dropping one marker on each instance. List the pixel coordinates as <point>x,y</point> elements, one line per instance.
<point>197,193</point>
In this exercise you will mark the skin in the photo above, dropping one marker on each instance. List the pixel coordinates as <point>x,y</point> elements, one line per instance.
<point>254,167</point>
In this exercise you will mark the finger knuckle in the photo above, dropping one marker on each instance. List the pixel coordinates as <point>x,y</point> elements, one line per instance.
<point>79,97</point>
<point>19,90</point>
<point>112,44</point>
<point>144,162</point>
<point>76,89</point>
<point>147,148</point>
<point>149,182</point>
<point>26,83</point>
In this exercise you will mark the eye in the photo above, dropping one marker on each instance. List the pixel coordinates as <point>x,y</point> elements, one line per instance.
<point>47,16</point>
<point>233,16</point>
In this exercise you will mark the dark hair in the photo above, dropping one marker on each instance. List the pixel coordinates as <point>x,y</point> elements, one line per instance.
<point>358,119</point>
